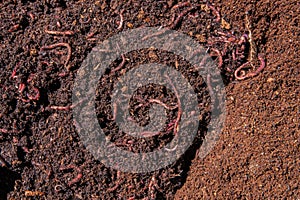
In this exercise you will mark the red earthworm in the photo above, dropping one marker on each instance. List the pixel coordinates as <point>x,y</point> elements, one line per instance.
<point>203,61</point>
<point>173,149</point>
<point>219,57</point>
<point>179,106</point>
<point>233,55</point>
<point>91,34</point>
<point>180,16</point>
<point>36,96</point>
<point>121,65</point>
<point>31,15</point>
<point>58,188</point>
<point>211,92</point>
<point>117,183</point>
<point>115,108</point>
<point>251,74</point>
<point>121,20</point>
<point>14,28</point>
<point>60,107</point>
<point>148,134</point>
<point>62,74</point>
<point>179,5</point>
<point>215,11</point>
<point>162,104</point>
<point>25,100</point>
<point>152,186</point>
<point>67,107</point>
<point>14,72</point>
<point>60,45</point>
<point>77,178</point>
<point>69,33</point>
<point>21,87</point>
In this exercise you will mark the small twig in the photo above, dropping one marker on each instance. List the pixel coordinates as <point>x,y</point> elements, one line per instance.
<point>77,178</point>
<point>69,33</point>
<point>60,45</point>
<point>251,74</point>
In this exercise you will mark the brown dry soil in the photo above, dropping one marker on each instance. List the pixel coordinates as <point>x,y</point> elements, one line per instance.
<point>41,155</point>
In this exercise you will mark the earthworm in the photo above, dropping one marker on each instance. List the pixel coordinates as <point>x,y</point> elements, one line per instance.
<point>91,34</point>
<point>219,57</point>
<point>152,186</point>
<point>215,11</point>
<point>251,74</point>
<point>77,178</point>
<point>211,91</point>
<point>14,28</point>
<point>173,149</point>
<point>162,104</point>
<point>179,18</point>
<point>31,15</point>
<point>121,65</point>
<point>69,33</point>
<point>60,107</point>
<point>149,134</point>
<point>67,107</point>
<point>179,5</point>
<point>60,45</point>
<point>21,87</point>
<point>115,110</point>
<point>162,31</point>
<point>14,72</point>
<point>121,20</point>
<point>179,105</point>
<point>36,96</point>
<point>58,188</point>
<point>117,183</point>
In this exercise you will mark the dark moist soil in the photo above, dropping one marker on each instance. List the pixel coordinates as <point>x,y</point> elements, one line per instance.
<point>257,155</point>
